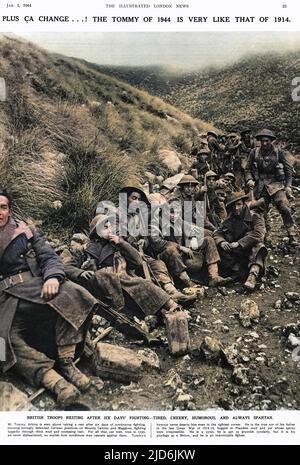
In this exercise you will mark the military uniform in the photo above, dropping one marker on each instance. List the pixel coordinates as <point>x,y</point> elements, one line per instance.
<point>272,175</point>
<point>247,232</point>
<point>34,329</point>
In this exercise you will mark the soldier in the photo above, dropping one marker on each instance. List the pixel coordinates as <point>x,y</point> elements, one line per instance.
<point>214,207</point>
<point>138,236</point>
<point>201,164</point>
<point>229,180</point>
<point>247,141</point>
<point>44,319</point>
<point>216,150</point>
<point>270,175</point>
<point>240,240</point>
<point>238,159</point>
<point>185,248</point>
<point>107,269</point>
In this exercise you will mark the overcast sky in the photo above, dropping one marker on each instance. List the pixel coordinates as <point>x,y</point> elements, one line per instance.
<point>176,50</point>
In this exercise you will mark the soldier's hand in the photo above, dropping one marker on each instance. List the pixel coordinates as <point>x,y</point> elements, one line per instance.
<point>141,243</point>
<point>251,184</point>
<point>234,245</point>
<point>187,251</point>
<point>115,239</point>
<point>87,275</point>
<point>50,289</point>
<point>203,189</point>
<point>226,246</point>
<point>289,193</point>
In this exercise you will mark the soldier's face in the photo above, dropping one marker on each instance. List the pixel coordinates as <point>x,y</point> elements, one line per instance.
<point>266,143</point>
<point>238,208</point>
<point>134,198</point>
<point>211,183</point>
<point>4,211</point>
<point>106,231</point>
<point>189,189</point>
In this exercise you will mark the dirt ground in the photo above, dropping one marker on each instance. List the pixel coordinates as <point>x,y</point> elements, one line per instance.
<point>255,368</point>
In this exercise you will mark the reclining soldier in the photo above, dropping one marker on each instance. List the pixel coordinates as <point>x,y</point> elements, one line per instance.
<point>44,320</point>
<point>107,270</point>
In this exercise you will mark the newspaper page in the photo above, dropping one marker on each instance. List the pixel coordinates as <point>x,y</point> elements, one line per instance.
<point>149,225</point>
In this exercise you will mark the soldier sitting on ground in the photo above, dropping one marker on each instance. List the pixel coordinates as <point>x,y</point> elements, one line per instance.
<point>185,248</point>
<point>107,270</point>
<point>240,241</point>
<point>44,319</point>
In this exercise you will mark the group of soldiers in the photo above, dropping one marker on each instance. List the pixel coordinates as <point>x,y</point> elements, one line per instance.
<point>47,301</point>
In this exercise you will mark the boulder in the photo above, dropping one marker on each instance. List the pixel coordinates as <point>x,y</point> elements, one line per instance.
<point>171,160</point>
<point>12,399</point>
<point>249,312</point>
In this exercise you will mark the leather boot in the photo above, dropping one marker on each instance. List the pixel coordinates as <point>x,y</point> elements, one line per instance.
<point>292,236</point>
<point>252,278</point>
<point>185,279</point>
<point>70,372</point>
<point>66,393</point>
<point>177,295</point>
<point>214,278</point>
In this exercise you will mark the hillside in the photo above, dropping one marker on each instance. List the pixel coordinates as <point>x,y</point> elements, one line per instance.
<point>254,92</point>
<point>69,133</point>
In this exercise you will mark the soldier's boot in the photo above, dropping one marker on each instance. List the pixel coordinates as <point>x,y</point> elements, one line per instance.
<point>185,279</point>
<point>170,289</point>
<point>291,230</point>
<point>71,373</point>
<point>65,392</point>
<point>252,278</point>
<point>214,278</point>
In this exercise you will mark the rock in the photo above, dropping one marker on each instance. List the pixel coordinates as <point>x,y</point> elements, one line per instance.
<point>230,354</point>
<point>211,348</point>
<point>174,381</point>
<point>12,399</point>
<point>116,363</point>
<point>198,381</point>
<point>225,329</point>
<point>99,321</point>
<point>249,312</point>
<point>57,205</point>
<point>217,322</point>
<point>293,341</point>
<point>149,358</point>
<point>80,238</point>
<point>171,160</point>
<point>191,406</point>
<point>292,296</point>
<point>288,304</point>
<point>278,304</point>
<point>254,335</point>
<point>260,360</point>
<point>183,400</point>
<point>152,322</point>
<point>239,376</point>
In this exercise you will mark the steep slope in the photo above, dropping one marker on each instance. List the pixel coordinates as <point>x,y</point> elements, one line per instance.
<point>255,92</point>
<point>72,134</point>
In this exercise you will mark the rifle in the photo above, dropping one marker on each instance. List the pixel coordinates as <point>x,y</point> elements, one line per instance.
<point>125,325</point>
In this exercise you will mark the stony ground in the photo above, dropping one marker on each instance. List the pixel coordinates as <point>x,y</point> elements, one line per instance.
<point>237,367</point>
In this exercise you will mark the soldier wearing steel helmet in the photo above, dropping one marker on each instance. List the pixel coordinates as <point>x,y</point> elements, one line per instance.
<point>270,175</point>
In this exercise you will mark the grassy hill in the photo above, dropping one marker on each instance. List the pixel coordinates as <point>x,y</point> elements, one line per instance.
<point>254,92</point>
<point>72,134</point>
